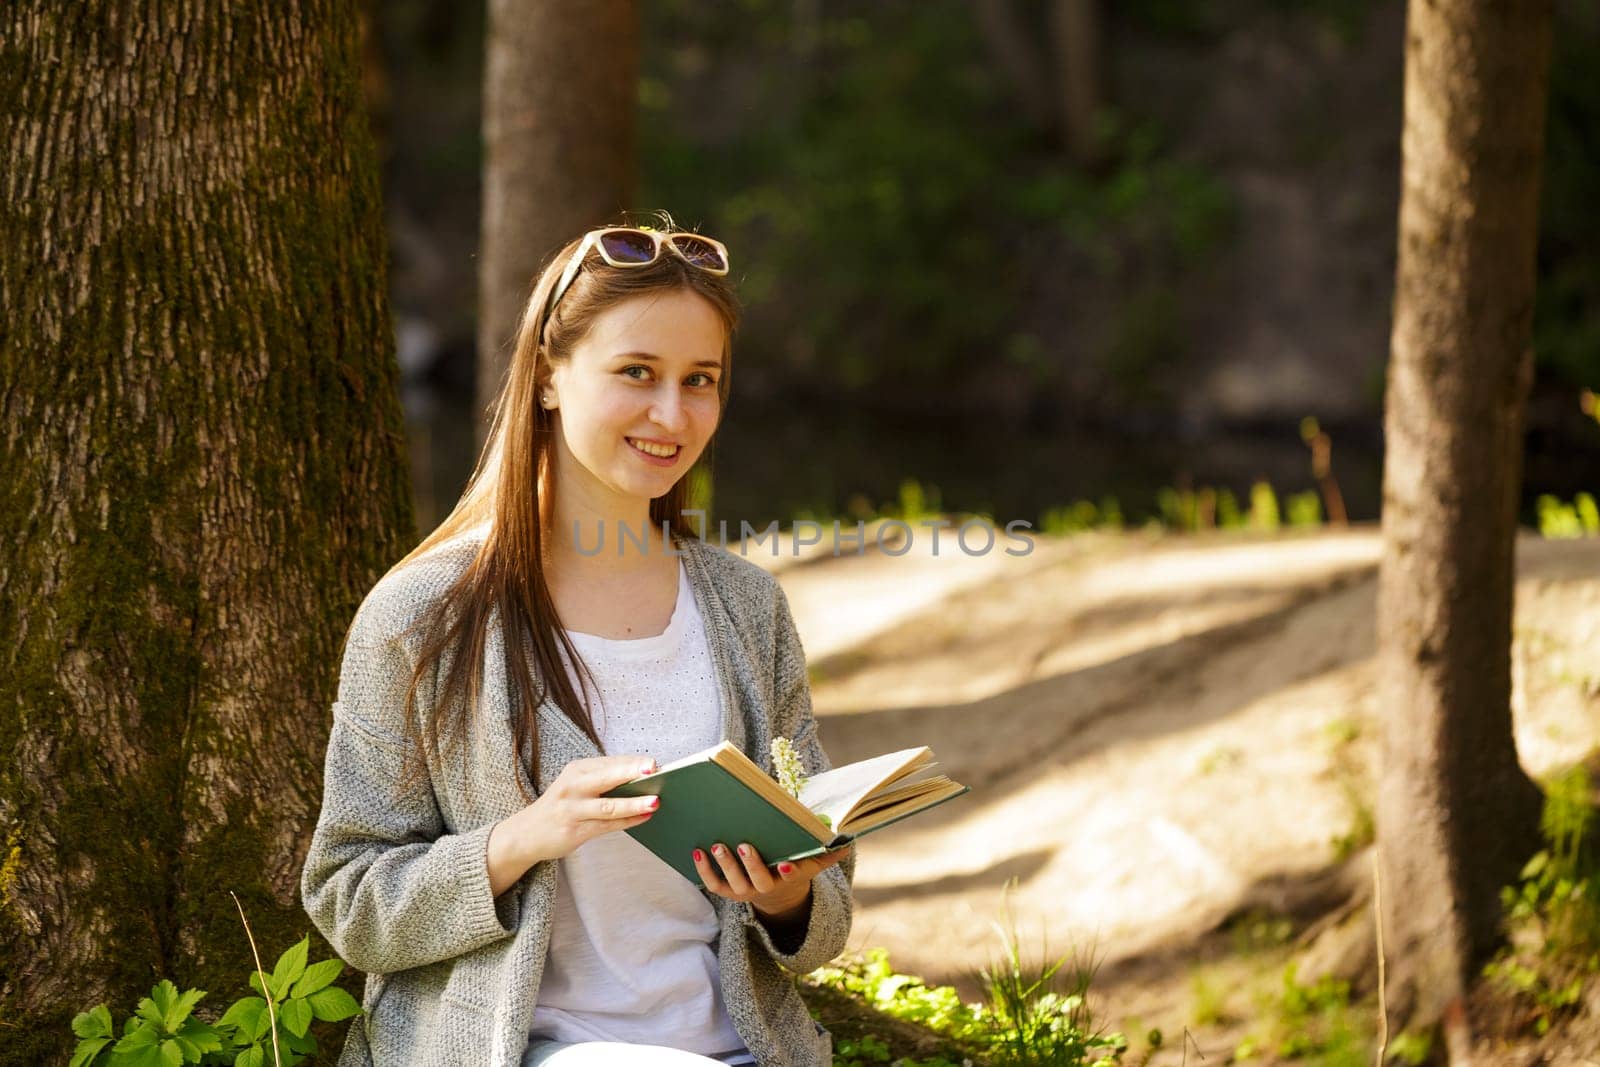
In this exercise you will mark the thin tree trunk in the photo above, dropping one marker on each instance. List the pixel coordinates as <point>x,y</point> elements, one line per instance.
<point>203,472</point>
<point>1017,58</point>
<point>1075,25</point>
<point>560,99</point>
<point>1456,813</point>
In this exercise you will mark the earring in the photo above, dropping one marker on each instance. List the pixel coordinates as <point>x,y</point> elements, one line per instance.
<point>547,401</point>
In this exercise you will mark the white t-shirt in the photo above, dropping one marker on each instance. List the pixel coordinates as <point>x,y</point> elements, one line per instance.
<point>631,944</point>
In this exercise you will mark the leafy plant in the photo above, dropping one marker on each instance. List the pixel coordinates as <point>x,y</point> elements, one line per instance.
<point>863,1050</point>
<point>915,503</point>
<point>1553,912</point>
<point>1031,1021</point>
<point>1263,507</point>
<point>160,1033</point>
<point>1557,519</point>
<point>1412,1047</point>
<point>1305,509</point>
<point>1306,1021</point>
<point>1033,1013</point>
<point>273,1027</point>
<point>1187,510</point>
<point>1081,516</point>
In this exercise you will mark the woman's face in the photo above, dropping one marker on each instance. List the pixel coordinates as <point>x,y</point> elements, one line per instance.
<point>645,374</point>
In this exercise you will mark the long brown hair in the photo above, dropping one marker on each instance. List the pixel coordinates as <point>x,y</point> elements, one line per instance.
<point>512,490</point>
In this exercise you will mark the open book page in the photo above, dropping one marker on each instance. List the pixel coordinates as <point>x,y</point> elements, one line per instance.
<point>837,793</point>
<point>930,792</point>
<point>890,797</point>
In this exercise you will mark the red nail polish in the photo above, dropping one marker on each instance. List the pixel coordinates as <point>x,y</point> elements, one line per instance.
<point>718,849</point>
<point>785,868</point>
<point>744,850</point>
<point>655,802</point>
<point>699,857</point>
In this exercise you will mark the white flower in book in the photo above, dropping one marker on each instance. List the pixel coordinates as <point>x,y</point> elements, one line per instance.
<point>786,767</point>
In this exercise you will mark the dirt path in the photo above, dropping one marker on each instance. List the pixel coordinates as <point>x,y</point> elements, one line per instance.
<point>1159,733</point>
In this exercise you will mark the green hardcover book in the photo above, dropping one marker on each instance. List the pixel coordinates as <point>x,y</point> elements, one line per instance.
<point>720,795</point>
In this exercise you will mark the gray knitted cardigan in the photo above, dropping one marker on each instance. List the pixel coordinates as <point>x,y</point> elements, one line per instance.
<point>398,882</point>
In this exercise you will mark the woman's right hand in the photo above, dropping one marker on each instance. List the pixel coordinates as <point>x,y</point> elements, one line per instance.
<point>568,813</point>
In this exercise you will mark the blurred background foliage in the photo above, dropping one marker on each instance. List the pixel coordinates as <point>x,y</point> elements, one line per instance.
<point>902,212</point>
<point>936,291</point>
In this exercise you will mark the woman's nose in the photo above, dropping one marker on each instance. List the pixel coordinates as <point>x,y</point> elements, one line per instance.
<point>668,410</point>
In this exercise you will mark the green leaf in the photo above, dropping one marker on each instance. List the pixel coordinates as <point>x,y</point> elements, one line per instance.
<point>87,1050</point>
<point>154,1007</point>
<point>179,1008</point>
<point>1535,865</point>
<point>188,1052</point>
<point>171,1054</point>
<point>139,1047</point>
<point>138,1037</point>
<point>96,1022</point>
<point>333,1004</point>
<point>243,1016</point>
<point>301,1046</point>
<point>297,1016</point>
<point>317,976</point>
<point>202,1037</point>
<point>291,965</point>
<point>255,983</point>
<point>254,1056</point>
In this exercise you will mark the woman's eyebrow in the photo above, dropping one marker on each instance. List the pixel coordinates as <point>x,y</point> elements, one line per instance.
<point>652,358</point>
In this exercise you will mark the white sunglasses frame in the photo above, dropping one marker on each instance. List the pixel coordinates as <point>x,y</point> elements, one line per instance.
<point>593,238</point>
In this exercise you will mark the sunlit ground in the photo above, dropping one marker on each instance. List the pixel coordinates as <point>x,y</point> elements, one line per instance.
<point>1159,732</point>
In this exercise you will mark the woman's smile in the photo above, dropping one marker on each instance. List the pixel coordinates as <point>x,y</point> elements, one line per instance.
<point>661,455</point>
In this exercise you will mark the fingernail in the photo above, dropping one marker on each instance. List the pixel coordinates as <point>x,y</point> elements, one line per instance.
<point>647,768</point>
<point>785,868</point>
<point>718,849</point>
<point>655,802</point>
<point>699,857</point>
<point>744,850</point>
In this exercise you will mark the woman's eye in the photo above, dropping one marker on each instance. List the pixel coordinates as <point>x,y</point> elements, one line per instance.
<point>706,379</point>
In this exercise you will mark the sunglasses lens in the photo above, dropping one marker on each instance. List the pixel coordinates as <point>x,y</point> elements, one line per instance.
<point>700,252</point>
<point>627,246</point>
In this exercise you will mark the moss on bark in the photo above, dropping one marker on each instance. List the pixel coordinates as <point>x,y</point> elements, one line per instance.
<point>200,398</point>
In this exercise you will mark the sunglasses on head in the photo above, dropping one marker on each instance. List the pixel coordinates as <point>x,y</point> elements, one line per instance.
<point>625,246</point>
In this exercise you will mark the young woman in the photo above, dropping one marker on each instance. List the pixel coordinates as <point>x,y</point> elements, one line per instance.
<point>564,631</point>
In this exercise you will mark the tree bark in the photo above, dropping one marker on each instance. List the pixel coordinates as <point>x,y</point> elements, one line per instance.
<point>203,473</point>
<point>560,99</point>
<point>1075,25</point>
<point>1456,813</point>
<point>1015,56</point>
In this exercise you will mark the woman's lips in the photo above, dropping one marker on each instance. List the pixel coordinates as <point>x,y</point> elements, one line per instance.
<point>659,461</point>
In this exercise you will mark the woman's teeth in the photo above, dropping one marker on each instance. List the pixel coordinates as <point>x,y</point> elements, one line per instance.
<point>655,450</point>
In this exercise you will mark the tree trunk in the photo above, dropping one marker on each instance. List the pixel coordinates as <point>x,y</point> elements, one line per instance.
<point>1075,25</point>
<point>1456,814</point>
<point>203,473</point>
<point>560,96</point>
<point>1008,42</point>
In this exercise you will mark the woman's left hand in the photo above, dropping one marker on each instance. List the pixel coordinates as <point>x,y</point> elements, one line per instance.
<point>779,894</point>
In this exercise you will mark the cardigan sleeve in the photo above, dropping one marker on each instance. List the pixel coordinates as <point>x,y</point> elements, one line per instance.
<point>383,881</point>
<point>828,926</point>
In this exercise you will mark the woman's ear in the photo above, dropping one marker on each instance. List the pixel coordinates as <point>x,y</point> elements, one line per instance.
<point>545,390</point>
